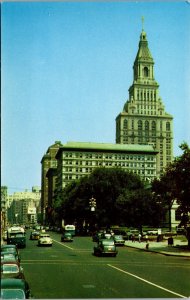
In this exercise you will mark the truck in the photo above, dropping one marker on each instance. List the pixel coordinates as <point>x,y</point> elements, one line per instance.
<point>16,235</point>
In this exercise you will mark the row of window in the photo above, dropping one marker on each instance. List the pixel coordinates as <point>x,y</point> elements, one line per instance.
<point>145,125</point>
<point>108,156</point>
<point>87,171</point>
<point>111,164</point>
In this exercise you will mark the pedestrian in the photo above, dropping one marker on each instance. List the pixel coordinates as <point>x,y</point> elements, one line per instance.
<point>140,238</point>
<point>133,238</point>
<point>146,238</point>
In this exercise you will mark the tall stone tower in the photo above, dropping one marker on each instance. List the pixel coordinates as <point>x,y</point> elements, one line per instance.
<point>144,119</point>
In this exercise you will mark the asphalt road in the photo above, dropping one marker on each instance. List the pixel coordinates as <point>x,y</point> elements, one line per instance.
<point>70,270</point>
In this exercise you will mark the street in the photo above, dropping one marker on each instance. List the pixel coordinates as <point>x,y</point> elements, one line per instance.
<point>70,270</point>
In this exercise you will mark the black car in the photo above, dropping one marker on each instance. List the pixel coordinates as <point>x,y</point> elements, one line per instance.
<point>15,289</point>
<point>34,235</point>
<point>105,247</point>
<point>67,237</point>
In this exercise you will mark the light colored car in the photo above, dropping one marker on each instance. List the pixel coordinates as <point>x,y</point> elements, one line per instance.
<point>11,269</point>
<point>45,240</point>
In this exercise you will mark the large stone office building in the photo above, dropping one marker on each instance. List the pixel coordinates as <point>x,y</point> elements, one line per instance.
<point>78,159</point>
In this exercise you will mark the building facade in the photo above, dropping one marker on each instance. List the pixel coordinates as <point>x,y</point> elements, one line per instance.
<point>48,162</point>
<point>24,207</point>
<point>3,208</point>
<point>78,159</point>
<point>144,119</point>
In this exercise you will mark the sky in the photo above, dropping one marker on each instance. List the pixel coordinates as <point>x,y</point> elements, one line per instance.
<point>66,70</point>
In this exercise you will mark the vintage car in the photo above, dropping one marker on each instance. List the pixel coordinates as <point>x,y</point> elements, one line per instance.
<point>119,240</point>
<point>12,288</point>
<point>11,269</point>
<point>10,249</point>
<point>105,247</point>
<point>34,235</point>
<point>67,237</point>
<point>9,257</point>
<point>45,240</point>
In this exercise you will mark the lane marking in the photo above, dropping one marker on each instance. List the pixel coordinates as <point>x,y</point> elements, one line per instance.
<point>63,245</point>
<point>149,282</point>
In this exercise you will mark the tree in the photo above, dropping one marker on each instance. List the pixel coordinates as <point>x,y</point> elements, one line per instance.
<point>174,184</point>
<point>121,198</point>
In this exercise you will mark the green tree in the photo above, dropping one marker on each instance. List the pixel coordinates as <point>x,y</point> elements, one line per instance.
<point>121,199</point>
<point>174,184</point>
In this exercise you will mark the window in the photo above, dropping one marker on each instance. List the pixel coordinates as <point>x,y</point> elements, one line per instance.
<point>125,124</point>
<point>168,126</point>
<point>139,125</point>
<point>153,125</point>
<point>145,72</point>
<point>146,125</point>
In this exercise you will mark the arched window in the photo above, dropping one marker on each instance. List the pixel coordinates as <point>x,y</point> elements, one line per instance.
<point>168,126</point>
<point>153,125</point>
<point>146,125</point>
<point>145,72</point>
<point>139,125</point>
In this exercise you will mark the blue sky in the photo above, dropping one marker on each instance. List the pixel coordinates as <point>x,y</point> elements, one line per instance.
<point>67,68</point>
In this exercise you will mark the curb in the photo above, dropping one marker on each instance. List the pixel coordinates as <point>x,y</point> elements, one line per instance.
<point>159,252</point>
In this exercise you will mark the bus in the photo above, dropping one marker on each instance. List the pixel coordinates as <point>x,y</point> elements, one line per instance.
<point>69,229</point>
<point>16,235</point>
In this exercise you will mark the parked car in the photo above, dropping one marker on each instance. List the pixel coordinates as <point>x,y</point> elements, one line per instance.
<point>105,247</point>
<point>12,288</point>
<point>11,269</point>
<point>119,240</point>
<point>8,257</point>
<point>67,237</point>
<point>45,240</point>
<point>11,249</point>
<point>34,235</point>
<point>152,232</point>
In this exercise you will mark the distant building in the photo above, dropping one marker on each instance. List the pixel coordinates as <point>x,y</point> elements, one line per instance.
<point>3,208</point>
<point>144,119</point>
<point>24,207</point>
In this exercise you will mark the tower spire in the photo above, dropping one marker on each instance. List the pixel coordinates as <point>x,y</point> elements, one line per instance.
<point>142,19</point>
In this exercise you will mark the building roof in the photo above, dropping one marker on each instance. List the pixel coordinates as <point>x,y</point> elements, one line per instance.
<point>107,147</point>
<point>144,52</point>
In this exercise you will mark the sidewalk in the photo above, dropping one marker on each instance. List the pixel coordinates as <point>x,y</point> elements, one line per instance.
<point>178,249</point>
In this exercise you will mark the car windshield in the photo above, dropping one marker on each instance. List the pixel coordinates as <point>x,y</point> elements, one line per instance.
<point>44,236</point>
<point>107,243</point>
<point>8,256</point>
<point>12,294</point>
<point>9,268</point>
<point>118,237</point>
<point>8,249</point>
